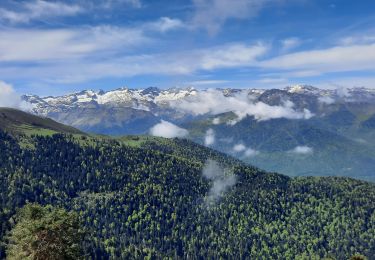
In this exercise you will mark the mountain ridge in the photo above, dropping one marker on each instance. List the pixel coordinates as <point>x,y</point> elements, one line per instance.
<point>140,196</point>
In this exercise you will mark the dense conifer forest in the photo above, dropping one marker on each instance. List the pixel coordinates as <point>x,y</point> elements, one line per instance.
<point>149,200</point>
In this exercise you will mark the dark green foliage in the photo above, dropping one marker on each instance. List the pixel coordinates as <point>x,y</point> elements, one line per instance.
<point>45,233</point>
<point>17,121</point>
<point>340,147</point>
<point>148,201</point>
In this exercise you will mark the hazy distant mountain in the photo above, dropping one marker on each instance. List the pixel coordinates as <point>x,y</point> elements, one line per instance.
<point>298,130</point>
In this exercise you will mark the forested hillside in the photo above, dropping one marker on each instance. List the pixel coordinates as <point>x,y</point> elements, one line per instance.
<point>141,196</point>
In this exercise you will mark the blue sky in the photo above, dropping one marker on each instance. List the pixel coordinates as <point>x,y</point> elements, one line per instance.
<point>55,47</point>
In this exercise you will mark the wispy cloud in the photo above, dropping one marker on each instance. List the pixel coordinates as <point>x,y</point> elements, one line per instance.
<point>164,24</point>
<point>65,44</point>
<point>290,43</point>
<point>221,181</point>
<point>207,82</point>
<point>168,130</point>
<point>38,9</point>
<point>83,59</point>
<point>335,59</point>
<point>212,14</point>
<point>302,150</point>
<point>114,3</point>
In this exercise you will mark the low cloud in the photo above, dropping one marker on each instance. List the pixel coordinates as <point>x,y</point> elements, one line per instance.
<point>213,102</point>
<point>216,121</point>
<point>249,152</point>
<point>10,98</point>
<point>342,92</point>
<point>209,138</point>
<point>302,150</point>
<point>244,151</point>
<point>221,181</point>
<point>168,130</point>
<point>239,148</point>
<point>326,100</point>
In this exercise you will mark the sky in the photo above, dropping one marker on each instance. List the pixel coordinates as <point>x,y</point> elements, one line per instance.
<point>57,47</point>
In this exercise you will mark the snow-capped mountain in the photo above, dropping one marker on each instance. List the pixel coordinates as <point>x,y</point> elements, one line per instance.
<point>334,127</point>
<point>143,99</point>
<point>134,110</point>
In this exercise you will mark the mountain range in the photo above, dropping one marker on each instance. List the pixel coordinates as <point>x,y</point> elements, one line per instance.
<point>299,130</point>
<point>145,197</point>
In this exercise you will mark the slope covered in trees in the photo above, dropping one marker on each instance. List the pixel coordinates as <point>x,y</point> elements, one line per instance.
<point>16,121</point>
<point>143,197</point>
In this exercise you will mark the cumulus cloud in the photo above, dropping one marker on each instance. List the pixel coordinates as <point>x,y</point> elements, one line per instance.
<point>239,148</point>
<point>168,130</point>
<point>221,181</point>
<point>209,138</point>
<point>10,98</point>
<point>38,9</point>
<point>302,150</point>
<point>213,102</point>
<point>244,151</point>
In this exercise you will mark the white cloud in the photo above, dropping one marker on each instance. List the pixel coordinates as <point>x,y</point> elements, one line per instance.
<point>39,9</point>
<point>209,138</point>
<point>85,56</point>
<point>216,120</point>
<point>222,181</point>
<point>212,14</point>
<point>165,24</point>
<point>326,100</point>
<point>10,98</point>
<point>213,102</point>
<point>168,130</point>
<point>342,92</point>
<point>335,59</point>
<point>290,43</point>
<point>239,148</point>
<point>249,152</point>
<point>273,80</point>
<point>114,3</point>
<point>245,151</point>
<point>357,39</point>
<point>231,56</point>
<point>302,150</point>
<point>208,82</point>
<point>39,45</point>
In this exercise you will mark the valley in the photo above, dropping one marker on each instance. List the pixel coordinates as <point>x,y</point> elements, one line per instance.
<point>140,196</point>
